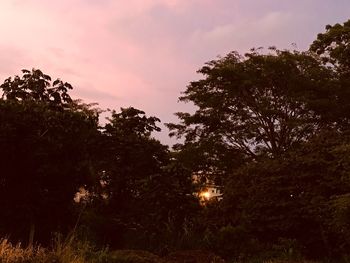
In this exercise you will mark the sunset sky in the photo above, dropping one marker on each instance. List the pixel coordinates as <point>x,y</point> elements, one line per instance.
<point>143,53</point>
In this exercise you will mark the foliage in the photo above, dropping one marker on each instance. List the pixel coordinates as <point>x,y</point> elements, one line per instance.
<point>289,197</point>
<point>133,256</point>
<point>142,188</point>
<point>252,106</point>
<point>333,45</point>
<point>273,129</point>
<point>200,256</point>
<point>69,250</point>
<point>36,86</point>
<point>270,128</point>
<point>45,157</point>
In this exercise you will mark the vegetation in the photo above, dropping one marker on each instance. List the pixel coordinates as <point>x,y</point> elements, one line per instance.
<point>272,129</point>
<point>71,251</point>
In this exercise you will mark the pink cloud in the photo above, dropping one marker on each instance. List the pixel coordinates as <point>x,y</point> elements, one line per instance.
<point>144,52</point>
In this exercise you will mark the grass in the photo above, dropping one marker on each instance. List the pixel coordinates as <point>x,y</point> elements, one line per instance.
<point>63,251</point>
<point>71,250</point>
<point>16,253</point>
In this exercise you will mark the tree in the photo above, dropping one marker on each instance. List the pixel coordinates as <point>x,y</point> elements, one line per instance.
<point>141,187</point>
<point>271,127</point>
<point>301,195</point>
<point>129,153</point>
<point>36,86</point>
<point>333,47</point>
<point>46,155</point>
<point>251,106</point>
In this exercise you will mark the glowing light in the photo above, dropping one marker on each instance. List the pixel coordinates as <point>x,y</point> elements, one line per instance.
<point>205,195</point>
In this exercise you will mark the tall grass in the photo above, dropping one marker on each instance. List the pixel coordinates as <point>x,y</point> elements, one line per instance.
<point>71,250</point>
<point>68,250</point>
<point>10,253</point>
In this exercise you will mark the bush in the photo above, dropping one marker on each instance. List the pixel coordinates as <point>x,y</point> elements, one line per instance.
<point>132,256</point>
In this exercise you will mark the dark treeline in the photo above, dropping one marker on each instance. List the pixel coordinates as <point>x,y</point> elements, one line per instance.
<point>272,129</point>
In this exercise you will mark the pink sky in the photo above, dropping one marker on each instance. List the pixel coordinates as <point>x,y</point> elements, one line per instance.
<point>143,53</point>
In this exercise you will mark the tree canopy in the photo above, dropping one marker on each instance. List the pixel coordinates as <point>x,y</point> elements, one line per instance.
<point>270,129</point>
<point>254,105</point>
<point>36,86</point>
<point>45,153</point>
<point>333,45</point>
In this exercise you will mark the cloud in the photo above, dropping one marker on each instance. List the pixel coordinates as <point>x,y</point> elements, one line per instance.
<point>8,63</point>
<point>238,36</point>
<point>144,52</point>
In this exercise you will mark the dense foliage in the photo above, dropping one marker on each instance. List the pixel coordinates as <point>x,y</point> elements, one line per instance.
<point>44,157</point>
<point>269,128</point>
<point>273,129</point>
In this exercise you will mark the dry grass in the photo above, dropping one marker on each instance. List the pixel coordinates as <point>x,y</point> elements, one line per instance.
<point>71,250</point>
<point>63,251</point>
<point>10,253</point>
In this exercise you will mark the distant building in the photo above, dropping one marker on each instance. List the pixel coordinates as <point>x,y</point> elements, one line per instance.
<point>207,189</point>
<point>211,192</point>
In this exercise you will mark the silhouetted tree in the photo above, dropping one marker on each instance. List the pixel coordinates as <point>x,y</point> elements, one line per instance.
<point>274,128</point>
<point>291,197</point>
<point>333,47</point>
<point>140,188</point>
<point>252,106</point>
<point>45,156</point>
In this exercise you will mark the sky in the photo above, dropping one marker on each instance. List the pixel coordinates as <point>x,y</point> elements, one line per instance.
<point>143,53</point>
